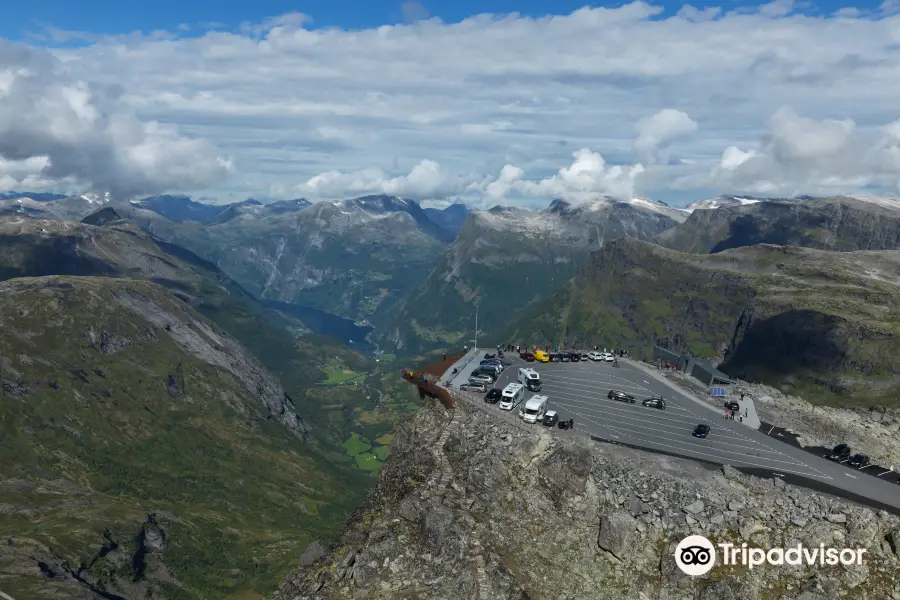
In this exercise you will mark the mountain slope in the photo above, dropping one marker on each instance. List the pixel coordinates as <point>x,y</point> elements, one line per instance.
<point>349,258</point>
<point>807,319</point>
<point>141,441</point>
<point>839,223</point>
<point>52,206</point>
<point>506,259</point>
<point>180,208</point>
<point>450,218</point>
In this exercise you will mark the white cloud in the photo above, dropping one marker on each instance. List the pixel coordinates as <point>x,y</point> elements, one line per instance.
<point>60,128</point>
<point>425,181</point>
<point>798,155</point>
<point>360,110</point>
<point>656,133</point>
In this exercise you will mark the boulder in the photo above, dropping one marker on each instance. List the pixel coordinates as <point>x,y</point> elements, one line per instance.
<point>616,531</point>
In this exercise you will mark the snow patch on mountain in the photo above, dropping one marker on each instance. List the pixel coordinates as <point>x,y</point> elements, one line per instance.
<point>882,201</point>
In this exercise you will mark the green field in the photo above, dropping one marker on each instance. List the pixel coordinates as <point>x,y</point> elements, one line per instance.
<point>339,376</point>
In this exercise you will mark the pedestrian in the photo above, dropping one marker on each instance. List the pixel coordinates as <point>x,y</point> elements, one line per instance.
<point>742,396</point>
<point>445,356</point>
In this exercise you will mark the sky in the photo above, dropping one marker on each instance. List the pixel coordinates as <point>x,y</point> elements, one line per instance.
<point>496,102</point>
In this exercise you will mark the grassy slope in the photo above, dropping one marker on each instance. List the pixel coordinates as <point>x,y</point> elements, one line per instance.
<point>242,496</point>
<point>820,324</point>
<point>333,412</point>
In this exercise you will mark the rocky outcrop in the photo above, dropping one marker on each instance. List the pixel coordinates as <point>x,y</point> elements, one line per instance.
<point>839,223</point>
<point>581,521</point>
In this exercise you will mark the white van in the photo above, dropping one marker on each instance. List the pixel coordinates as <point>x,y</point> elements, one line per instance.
<point>512,396</point>
<point>530,379</point>
<point>534,409</point>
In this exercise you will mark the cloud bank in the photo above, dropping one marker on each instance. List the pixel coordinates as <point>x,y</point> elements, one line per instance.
<point>623,100</point>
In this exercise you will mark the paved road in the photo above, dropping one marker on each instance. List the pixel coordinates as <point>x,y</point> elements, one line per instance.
<point>579,390</point>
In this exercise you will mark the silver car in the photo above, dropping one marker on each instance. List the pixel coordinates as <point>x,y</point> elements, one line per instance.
<point>481,379</point>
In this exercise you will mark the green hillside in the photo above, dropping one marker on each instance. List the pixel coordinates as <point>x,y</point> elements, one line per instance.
<point>821,323</point>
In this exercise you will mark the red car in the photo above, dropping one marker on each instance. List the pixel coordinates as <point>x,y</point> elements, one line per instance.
<point>527,356</point>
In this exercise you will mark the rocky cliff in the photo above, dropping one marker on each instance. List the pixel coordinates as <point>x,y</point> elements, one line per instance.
<point>812,320</point>
<point>467,508</point>
<point>840,223</point>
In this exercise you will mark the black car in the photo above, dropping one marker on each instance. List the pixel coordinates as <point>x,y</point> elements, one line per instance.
<point>550,418</point>
<point>701,430</point>
<point>556,357</point>
<point>493,396</point>
<point>858,461</point>
<point>839,453</point>
<point>732,405</point>
<point>574,357</point>
<point>621,396</point>
<point>655,402</point>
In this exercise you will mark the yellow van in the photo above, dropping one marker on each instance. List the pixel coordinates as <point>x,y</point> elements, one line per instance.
<point>541,356</point>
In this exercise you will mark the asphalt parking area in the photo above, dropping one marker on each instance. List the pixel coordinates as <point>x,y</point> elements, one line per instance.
<point>579,391</point>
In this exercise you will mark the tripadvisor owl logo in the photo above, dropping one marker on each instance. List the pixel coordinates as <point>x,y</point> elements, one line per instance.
<point>695,555</point>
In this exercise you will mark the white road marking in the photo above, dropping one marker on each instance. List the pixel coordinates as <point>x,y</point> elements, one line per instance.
<point>654,419</point>
<point>849,475</point>
<point>705,446</point>
<point>556,375</point>
<point>651,445</point>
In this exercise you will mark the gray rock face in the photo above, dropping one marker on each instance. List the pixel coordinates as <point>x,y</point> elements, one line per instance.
<point>615,533</point>
<point>838,223</point>
<point>578,520</point>
<point>313,552</point>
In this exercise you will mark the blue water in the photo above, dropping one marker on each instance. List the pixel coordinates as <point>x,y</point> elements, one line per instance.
<point>323,323</point>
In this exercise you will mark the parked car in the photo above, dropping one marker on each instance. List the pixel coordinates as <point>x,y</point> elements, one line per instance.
<point>566,424</point>
<point>608,357</point>
<point>839,453</point>
<point>655,402</point>
<point>527,356</point>
<point>550,418</point>
<point>595,356</point>
<point>555,357</point>
<point>493,367</point>
<point>858,461</point>
<point>585,356</point>
<point>493,396</point>
<point>620,396</point>
<point>701,430</point>
<point>484,376</point>
<point>574,356</point>
<point>732,405</point>
<point>473,387</point>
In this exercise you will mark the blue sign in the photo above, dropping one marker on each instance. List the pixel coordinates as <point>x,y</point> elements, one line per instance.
<point>717,392</point>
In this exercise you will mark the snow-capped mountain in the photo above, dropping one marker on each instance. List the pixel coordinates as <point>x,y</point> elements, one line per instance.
<point>721,201</point>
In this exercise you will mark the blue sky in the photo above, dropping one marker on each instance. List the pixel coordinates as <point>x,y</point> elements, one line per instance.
<point>115,16</point>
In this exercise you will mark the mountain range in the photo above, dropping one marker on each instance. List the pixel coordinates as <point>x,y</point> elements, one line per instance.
<point>164,406</point>
<point>505,260</point>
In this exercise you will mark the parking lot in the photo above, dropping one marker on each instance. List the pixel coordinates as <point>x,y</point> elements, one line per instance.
<point>579,391</point>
